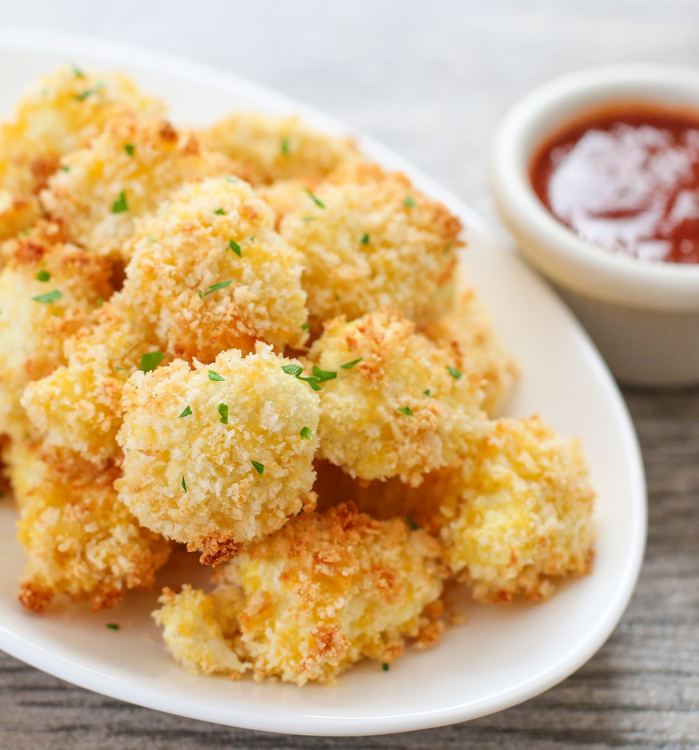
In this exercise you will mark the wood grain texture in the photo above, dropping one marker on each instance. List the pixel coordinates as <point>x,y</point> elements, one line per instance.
<point>432,80</point>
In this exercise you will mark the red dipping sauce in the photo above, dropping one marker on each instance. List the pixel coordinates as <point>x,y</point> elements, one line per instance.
<point>626,179</point>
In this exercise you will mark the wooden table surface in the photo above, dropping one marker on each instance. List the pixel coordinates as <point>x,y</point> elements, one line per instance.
<point>432,80</point>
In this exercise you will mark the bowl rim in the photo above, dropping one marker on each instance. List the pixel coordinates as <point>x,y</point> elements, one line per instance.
<point>558,251</point>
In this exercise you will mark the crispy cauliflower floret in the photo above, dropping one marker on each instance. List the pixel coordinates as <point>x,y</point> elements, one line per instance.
<point>17,213</point>
<point>82,541</point>
<point>61,114</point>
<point>218,456</point>
<point>78,406</point>
<point>192,633</point>
<point>47,293</point>
<point>519,512</point>
<point>23,467</point>
<point>468,331</point>
<point>209,273</point>
<point>125,174</point>
<point>277,147</point>
<point>370,239</point>
<point>402,409</point>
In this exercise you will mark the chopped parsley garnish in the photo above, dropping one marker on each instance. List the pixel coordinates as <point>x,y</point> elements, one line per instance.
<point>65,168</point>
<point>214,376</point>
<point>454,372</point>
<point>150,361</point>
<point>309,218</point>
<point>118,368</point>
<point>232,179</point>
<point>129,148</point>
<point>294,370</point>
<point>350,365</point>
<point>447,248</point>
<point>259,468</point>
<point>89,92</point>
<point>316,200</point>
<point>427,392</point>
<point>409,202</point>
<point>215,287</point>
<point>185,412</point>
<point>184,485</point>
<point>149,238</point>
<point>120,204</point>
<point>385,667</point>
<point>285,145</point>
<point>306,433</point>
<point>413,525</point>
<point>313,381</point>
<point>406,410</point>
<point>78,72</point>
<point>199,293</point>
<point>100,302</point>
<point>305,327</point>
<point>112,626</point>
<point>323,375</point>
<point>365,239</point>
<point>223,411</point>
<point>43,276</point>
<point>49,297</point>
<point>235,247</point>
<point>219,212</point>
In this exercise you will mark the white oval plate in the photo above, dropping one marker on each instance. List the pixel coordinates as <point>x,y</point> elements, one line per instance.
<point>502,655</point>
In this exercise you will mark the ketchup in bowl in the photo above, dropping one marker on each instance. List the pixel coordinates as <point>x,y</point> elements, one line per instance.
<point>626,179</point>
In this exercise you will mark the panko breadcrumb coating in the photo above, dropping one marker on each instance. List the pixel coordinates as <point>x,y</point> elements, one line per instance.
<point>324,592</point>
<point>64,112</point>
<point>78,406</point>
<point>47,293</point>
<point>82,541</point>
<point>209,273</point>
<point>277,147</point>
<point>125,174</point>
<point>468,331</point>
<point>402,410</point>
<point>519,512</point>
<point>370,239</point>
<point>218,456</point>
<point>17,213</point>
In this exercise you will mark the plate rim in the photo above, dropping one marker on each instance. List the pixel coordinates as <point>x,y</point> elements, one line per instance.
<point>28,39</point>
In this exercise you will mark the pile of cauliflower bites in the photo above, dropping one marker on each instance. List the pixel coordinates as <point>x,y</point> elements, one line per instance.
<point>252,341</point>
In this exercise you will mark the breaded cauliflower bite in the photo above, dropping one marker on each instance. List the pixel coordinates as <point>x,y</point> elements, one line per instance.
<point>518,514</point>
<point>218,456</point>
<point>370,239</point>
<point>392,403</point>
<point>47,292</point>
<point>209,273</point>
<point>78,406</point>
<point>125,174</point>
<point>17,213</point>
<point>64,112</point>
<point>324,592</point>
<point>82,541</point>
<point>468,332</point>
<point>277,147</point>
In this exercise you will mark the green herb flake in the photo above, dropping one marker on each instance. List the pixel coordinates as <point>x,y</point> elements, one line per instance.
<point>232,179</point>
<point>259,468</point>
<point>284,148</point>
<point>150,361</point>
<point>427,392</point>
<point>100,302</point>
<point>309,218</point>
<point>385,667</point>
<point>223,411</point>
<point>184,485</point>
<point>219,212</point>
<point>413,525</point>
<point>235,247</point>
<point>406,410</point>
<point>215,287</point>
<point>306,433</point>
<point>65,168</point>
<point>199,293</point>
<point>43,276</point>
<point>89,92</point>
<point>454,373</point>
<point>294,370</point>
<point>118,368</point>
<point>316,200</point>
<point>214,376</point>
<point>323,375</point>
<point>313,381</point>
<point>49,297</point>
<point>447,248</point>
<point>112,626</point>
<point>305,327</point>
<point>185,412</point>
<point>409,202</point>
<point>365,239</point>
<point>350,365</point>
<point>120,204</point>
<point>149,238</point>
<point>130,149</point>
<point>78,73</point>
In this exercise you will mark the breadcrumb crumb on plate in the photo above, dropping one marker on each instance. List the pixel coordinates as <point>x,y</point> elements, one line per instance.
<point>502,656</point>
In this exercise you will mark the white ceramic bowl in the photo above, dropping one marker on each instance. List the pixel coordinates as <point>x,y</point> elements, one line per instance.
<point>643,316</point>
